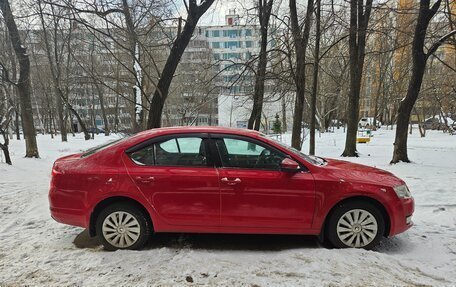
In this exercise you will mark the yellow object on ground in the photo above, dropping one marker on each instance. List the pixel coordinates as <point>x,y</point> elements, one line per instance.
<point>363,139</point>
<point>364,136</point>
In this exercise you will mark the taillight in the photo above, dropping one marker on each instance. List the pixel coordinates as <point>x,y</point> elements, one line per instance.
<point>55,172</point>
<point>55,169</point>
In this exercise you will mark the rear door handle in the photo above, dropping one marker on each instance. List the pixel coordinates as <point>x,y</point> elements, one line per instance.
<point>235,181</point>
<point>145,179</point>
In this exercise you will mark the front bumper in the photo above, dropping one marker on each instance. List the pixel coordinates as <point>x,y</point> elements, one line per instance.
<point>401,216</point>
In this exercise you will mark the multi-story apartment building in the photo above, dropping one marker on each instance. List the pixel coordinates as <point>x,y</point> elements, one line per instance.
<point>234,47</point>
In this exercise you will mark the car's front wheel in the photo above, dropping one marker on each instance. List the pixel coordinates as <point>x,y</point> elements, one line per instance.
<point>123,226</point>
<point>356,224</point>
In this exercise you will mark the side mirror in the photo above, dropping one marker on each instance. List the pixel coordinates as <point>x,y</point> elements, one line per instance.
<point>289,165</point>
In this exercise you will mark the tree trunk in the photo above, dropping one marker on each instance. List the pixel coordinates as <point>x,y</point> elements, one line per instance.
<point>284,114</point>
<point>359,20</point>
<point>301,39</point>
<point>16,122</point>
<point>62,126</point>
<point>4,148</point>
<point>23,84</point>
<point>313,99</point>
<point>161,92</point>
<point>6,154</point>
<point>134,54</point>
<point>102,108</point>
<point>264,13</point>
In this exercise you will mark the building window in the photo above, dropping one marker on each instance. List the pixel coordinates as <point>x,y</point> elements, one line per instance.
<point>231,33</point>
<point>248,44</point>
<point>216,56</point>
<point>228,56</point>
<point>248,32</point>
<point>216,33</point>
<point>235,89</point>
<point>232,44</point>
<point>216,45</point>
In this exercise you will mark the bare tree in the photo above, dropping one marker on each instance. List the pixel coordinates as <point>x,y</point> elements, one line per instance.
<point>23,84</point>
<point>264,14</point>
<point>194,13</point>
<point>301,40</point>
<point>359,20</point>
<point>5,118</point>
<point>313,100</point>
<point>419,59</point>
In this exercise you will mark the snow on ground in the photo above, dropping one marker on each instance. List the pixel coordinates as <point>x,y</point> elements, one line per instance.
<point>36,250</point>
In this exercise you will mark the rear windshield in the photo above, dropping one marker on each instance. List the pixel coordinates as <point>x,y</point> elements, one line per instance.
<point>101,147</point>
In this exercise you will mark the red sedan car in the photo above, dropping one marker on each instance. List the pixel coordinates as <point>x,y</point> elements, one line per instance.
<point>220,180</point>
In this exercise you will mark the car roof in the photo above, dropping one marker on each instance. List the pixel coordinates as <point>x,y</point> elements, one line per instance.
<point>198,129</point>
<point>145,135</point>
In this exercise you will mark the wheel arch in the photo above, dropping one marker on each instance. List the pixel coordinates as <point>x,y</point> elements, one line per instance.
<point>111,200</point>
<point>371,200</point>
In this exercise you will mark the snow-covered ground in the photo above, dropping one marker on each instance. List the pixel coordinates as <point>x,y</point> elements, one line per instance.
<point>35,250</point>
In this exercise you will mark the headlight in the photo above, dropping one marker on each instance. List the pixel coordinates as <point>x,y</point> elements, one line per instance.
<point>402,191</point>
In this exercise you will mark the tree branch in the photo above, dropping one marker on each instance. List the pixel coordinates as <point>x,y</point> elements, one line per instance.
<point>437,44</point>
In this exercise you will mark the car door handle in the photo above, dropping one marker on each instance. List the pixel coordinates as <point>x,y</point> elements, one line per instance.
<point>145,179</point>
<point>235,181</point>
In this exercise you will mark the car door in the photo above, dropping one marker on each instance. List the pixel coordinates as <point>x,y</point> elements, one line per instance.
<point>178,177</point>
<point>255,193</point>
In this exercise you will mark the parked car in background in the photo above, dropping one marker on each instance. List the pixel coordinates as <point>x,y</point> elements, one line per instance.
<point>368,123</point>
<point>96,130</point>
<point>221,180</point>
<point>438,123</point>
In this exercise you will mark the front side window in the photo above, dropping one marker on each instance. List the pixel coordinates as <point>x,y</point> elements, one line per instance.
<point>186,151</point>
<point>237,153</point>
<point>309,158</point>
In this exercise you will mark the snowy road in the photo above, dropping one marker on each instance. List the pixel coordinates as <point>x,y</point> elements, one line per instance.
<point>35,250</point>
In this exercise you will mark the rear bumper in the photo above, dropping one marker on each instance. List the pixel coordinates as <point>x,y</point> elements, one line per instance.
<point>69,216</point>
<point>401,216</point>
<point>66,210</point>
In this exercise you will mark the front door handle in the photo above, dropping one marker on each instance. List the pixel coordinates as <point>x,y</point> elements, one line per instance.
<point>235,181</point>
<point>145,179</point>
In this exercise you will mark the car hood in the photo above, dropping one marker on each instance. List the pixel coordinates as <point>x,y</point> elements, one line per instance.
<point>361,173</point>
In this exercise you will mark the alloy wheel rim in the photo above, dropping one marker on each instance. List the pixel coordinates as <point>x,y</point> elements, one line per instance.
<point>357,228</point>
<point>121,229</point>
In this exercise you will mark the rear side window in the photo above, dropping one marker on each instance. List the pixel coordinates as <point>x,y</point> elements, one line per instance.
<point>188,151</point>
<point>101,147</point>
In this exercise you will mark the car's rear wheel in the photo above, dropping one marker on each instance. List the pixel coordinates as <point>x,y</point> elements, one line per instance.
<point>355,224</point>
<point>123,226</point>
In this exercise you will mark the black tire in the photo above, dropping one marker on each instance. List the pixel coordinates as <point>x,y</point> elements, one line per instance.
<point>145,226</point>
<point>341,210</point>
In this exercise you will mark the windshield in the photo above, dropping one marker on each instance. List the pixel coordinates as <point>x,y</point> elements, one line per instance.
<point>101,147</point>
<point>309,158</point>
